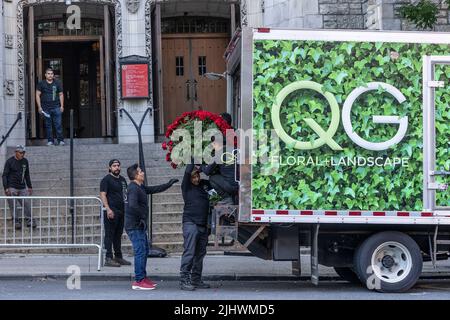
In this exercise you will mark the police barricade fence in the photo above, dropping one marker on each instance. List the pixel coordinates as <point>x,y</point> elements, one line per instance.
<point>52,222</point>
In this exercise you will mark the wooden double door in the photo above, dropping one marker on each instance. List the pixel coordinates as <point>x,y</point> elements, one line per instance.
<point>185,60</point>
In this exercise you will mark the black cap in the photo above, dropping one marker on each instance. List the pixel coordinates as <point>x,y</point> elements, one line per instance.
<point>111,162</point>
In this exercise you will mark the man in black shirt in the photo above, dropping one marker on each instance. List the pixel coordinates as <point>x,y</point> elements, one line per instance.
<point>222,174</point>
<point>113,192</point>
<point>195,233</point>
<point>50,102</point>
<point>16,179</point>
<point>136,217</point>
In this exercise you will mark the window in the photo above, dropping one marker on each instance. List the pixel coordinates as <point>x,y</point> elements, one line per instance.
<point>201,65</point>
<point>179,66</point>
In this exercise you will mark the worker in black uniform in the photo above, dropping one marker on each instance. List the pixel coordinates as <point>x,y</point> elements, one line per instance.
<point>222,174</point>
<point>195,232</point>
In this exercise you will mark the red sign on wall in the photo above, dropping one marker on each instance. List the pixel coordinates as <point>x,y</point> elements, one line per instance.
<point>135,82</point>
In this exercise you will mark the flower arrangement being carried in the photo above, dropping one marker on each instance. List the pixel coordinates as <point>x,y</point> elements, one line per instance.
<point>186,129</point>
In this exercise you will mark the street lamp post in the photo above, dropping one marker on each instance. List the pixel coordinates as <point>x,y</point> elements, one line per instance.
<point>154,251</point>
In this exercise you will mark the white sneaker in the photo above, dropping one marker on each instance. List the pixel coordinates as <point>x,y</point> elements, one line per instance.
<point>62,143</point>
<point>49,143</point>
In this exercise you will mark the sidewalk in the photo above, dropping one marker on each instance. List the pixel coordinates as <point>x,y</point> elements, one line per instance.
<point>216,267</point>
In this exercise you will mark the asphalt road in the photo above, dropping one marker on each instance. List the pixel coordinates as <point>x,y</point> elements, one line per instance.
<point>224,290</point>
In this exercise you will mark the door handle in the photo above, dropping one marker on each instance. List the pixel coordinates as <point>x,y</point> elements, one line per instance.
<point>188,90</point>
<point>195,90</point>
<point>440,173</point>
<point>68,95</point>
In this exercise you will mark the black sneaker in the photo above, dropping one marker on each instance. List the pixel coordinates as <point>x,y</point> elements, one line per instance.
<point>32,223</point>
<point>109,262</point>
<point>186,286</point>
<point>123,262</point>
<point>200,285</point>
<point>17,225</point>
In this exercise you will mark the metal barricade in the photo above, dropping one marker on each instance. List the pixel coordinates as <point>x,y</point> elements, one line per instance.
<point>52,222</point>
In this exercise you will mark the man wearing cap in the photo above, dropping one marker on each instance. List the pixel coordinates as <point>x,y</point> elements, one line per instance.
<point>195,232</point>
<point>17,182</point>
<point>113,192</point>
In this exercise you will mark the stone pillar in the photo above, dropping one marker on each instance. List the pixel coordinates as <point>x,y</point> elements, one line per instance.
<point>10,74</point>
<point>2,102</point>
<point>134,42</point>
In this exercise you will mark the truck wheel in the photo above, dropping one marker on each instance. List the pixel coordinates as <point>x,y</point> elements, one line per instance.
<point>388,261</point>
<point>347,274</point>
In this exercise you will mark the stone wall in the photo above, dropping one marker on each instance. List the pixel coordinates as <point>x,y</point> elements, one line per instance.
<point>336,14</point>
<point>393,21</point>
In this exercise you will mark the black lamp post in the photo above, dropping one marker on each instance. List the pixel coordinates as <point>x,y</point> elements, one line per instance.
<point>154,251</point>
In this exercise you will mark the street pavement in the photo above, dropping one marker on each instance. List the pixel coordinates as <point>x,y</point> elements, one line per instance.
<point>233,277</point>
<point>216,267</point>
<point>51,289</point>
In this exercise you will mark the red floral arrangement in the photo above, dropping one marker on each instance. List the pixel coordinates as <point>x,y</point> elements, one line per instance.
<point>186,121</point>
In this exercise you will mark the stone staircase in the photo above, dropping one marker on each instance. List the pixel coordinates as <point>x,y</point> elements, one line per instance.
<point>50,176</point>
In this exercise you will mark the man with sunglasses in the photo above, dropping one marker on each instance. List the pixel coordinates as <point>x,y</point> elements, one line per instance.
<point>17,182</point>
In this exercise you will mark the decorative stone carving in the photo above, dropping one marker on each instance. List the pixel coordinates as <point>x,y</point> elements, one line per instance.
<point>9,41</point>
<point>244,21</point>
<point>133,5</point>
<point>8,85</point>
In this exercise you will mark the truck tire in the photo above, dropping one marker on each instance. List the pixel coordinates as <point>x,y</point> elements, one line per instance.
<point>388,261</point>
<point>347,274</point>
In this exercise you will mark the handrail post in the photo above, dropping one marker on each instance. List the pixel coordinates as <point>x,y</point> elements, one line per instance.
<point>154,251</point>
<point>72,209</point>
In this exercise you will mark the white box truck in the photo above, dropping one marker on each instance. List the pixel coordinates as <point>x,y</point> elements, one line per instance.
<point>344,148</point>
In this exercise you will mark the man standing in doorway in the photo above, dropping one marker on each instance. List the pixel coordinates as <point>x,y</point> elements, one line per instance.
<point>50,102</point>
<point>17,183</point>
<point>113,192</point>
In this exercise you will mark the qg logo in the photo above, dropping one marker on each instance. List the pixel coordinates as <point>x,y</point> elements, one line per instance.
<point>326,137</point>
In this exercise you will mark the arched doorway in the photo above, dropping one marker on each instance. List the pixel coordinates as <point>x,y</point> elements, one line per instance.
<point>84,59</point>
<point>191,37</point>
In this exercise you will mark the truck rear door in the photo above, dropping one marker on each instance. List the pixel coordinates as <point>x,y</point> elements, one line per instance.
<point>436,96</point>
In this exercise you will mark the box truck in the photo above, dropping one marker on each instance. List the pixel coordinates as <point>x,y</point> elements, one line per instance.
<point>343,148</point>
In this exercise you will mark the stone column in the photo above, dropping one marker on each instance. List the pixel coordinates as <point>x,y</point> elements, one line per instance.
<point>11,79</point>
<point>2,102</point>
<point>134,43</point>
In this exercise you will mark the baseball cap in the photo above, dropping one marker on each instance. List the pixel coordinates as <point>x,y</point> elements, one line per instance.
<point>113,161</point>
<point>20,148</point>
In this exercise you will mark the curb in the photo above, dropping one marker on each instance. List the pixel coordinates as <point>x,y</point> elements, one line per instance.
<point>130,277</point>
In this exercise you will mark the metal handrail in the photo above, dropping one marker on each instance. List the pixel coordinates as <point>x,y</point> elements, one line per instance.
<point>4,137</point>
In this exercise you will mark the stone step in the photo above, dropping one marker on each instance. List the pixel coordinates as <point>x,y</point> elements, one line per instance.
<point>59,183</point>
<point>168,216</point>
<point>98,147</point>
<point>168,206</point>
<point>99,172</point>
<point>99,166</point>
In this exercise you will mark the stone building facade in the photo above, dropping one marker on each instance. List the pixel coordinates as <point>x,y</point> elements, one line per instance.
<point>32,30</point>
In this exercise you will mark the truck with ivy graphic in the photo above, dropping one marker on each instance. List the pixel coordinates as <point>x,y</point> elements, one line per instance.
<point>344,148</point>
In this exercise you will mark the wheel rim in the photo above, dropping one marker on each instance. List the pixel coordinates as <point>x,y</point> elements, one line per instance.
<point>391,262</point>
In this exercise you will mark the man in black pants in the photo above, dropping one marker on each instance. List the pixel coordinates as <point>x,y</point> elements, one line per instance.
<point>195,233</point>
<point>136,218</point>
<point>17,182</point>
<point>113,192</point>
